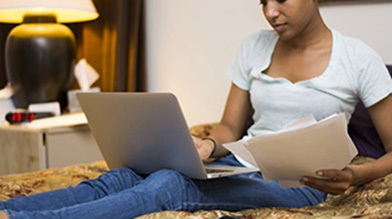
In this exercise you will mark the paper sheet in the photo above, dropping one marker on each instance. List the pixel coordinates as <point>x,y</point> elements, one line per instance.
<point>289,155</point>
<point>239,149</point>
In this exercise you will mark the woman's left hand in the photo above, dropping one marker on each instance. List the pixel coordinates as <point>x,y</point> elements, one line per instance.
<point>330,181</point>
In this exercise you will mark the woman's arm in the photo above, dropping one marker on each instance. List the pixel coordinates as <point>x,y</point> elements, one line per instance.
<point>231,126</point>
<point>381,114</point>
<point>339,181</point>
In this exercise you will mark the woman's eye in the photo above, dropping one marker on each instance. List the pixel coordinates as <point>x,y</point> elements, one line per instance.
<point>264,2</point>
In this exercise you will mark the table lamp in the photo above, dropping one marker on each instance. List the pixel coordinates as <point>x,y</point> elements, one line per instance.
<point>40,53</point>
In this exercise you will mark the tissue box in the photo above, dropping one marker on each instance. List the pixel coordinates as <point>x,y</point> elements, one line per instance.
<point>73,103</point>
<point>6,106</point>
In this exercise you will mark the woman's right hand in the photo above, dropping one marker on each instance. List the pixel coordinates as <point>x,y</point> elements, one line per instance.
<point>203,147</point>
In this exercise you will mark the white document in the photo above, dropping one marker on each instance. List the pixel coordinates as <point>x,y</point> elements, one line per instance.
<point>299,150</point>
<point>239,149</point>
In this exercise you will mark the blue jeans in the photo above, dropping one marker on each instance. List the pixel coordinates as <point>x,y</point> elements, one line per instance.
<point>122,193</point>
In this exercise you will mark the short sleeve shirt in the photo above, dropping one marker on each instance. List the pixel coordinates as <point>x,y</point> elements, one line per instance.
<point>355,72</point>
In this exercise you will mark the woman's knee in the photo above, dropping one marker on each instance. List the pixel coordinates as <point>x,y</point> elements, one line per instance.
<point>173,182</point>
<point>167,174</point>
<point>114,181</point>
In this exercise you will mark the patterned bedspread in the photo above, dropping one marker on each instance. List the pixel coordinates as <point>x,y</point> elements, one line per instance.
<point>373,200</point>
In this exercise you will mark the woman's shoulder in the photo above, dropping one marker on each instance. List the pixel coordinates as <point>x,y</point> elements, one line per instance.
<point>354,50</point>
<point>260,40</point>
<point>350,43</point>
<point>262,36</point>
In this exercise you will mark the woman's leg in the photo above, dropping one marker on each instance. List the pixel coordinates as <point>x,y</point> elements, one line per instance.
<point>169,190</point>
<point>250,191</point>
<point>239,192</point>
<point>108,183</point>
<point>162,190</point>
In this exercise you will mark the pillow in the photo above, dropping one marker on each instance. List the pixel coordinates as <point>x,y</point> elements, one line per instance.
<point>363,133</point>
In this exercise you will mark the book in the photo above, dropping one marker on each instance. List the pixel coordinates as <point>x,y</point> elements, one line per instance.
<point>298,150</point>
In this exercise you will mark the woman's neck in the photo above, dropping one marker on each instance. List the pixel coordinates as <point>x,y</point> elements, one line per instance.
<point>316,34</point>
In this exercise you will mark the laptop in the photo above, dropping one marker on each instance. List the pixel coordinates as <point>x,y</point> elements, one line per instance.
<point>146,132</point>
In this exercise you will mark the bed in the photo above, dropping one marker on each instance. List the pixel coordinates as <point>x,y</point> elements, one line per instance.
<point>372,200</point>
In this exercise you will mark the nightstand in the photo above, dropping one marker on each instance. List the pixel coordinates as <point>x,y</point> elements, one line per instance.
<point>25,149</point>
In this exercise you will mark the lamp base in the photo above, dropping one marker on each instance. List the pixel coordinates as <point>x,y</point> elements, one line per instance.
<point>40,60</point>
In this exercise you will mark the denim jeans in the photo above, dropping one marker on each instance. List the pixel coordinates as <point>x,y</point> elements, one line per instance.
<point>122,193</point>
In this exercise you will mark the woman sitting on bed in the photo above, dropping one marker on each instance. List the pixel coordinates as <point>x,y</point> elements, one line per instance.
<point>299,68</point>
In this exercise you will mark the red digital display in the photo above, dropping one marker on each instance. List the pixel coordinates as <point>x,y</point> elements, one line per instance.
<point>19,117</point>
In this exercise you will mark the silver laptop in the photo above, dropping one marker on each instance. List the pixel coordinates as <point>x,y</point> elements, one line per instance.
<point>146,132</point>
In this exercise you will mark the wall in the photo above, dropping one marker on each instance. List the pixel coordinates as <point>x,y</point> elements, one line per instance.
<point>191,43</point>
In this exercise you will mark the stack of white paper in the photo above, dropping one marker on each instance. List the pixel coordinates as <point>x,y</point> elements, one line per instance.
<point>299,150</point>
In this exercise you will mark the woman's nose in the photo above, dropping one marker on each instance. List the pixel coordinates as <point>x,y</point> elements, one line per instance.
<point>271,10</point>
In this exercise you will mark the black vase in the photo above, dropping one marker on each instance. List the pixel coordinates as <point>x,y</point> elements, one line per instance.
<point>40,59</point>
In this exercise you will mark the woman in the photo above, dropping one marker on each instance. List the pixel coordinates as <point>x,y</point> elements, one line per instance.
<point>300,68</point>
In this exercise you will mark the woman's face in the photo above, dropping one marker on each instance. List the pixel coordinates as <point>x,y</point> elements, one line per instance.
<point>289,18</point>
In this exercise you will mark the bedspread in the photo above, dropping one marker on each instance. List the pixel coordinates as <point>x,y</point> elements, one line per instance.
<point>372,200</point>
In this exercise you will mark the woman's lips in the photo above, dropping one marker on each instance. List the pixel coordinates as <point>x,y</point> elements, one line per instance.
<point>279,27</point>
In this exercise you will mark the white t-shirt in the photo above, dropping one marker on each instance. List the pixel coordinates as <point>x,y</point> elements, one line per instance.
<point>355,72</point>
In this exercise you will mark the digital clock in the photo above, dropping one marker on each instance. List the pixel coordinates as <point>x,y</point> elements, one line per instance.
<point>19,117</point>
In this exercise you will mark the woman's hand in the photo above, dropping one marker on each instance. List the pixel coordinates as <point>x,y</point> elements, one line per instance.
<point>204,148</point>
<point>330,181</point>
<point>362,173</point>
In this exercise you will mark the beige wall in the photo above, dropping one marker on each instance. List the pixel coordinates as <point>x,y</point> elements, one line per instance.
<point>191,42</point>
